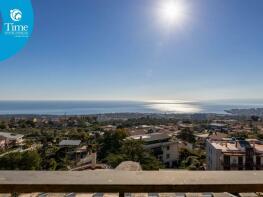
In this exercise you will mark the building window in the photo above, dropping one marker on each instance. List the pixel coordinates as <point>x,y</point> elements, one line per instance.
<point>226,162</point>
<point>258,163</point>
<point>167,147</point>
<point>240,163</point>
<point>174,164</point>
<point>167,156</point>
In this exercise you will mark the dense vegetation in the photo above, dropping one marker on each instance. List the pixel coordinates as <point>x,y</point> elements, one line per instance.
<point>111,146</point>
<point>29,160</point>
<point>192,160</point>
<point>114,150</point>
<point>187,135</point>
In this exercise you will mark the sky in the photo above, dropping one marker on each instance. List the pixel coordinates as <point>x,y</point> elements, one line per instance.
<point>125,50</point>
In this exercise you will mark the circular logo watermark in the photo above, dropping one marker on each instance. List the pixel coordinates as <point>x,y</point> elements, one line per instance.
<point>16,26</point>
<point>16,14</point>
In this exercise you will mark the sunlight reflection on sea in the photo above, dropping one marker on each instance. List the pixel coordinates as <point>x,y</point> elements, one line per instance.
<point>175,107</point>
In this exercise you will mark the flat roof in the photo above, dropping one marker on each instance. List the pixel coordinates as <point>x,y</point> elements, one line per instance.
<point>70,143</point>
<point>150,137</point>
<point>225,146</point>
<point>217,136</point>
<point>202,135</point>
<point>230,146</point>
<point>12,136</point>
<point>215,124</point>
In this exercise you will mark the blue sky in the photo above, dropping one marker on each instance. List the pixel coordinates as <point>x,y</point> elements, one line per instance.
<point>119,50</point>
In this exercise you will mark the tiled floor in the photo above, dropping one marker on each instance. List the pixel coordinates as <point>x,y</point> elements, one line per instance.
<point>129,195</point>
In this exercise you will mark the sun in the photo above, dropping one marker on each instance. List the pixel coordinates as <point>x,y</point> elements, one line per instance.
<point>172,11</point>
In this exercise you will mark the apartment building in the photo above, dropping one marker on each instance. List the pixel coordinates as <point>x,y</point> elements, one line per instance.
<point>164,147</point>
<point>234,154</point>
<point>10,139</point>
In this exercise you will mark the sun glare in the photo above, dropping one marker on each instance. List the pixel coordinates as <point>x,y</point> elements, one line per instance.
<point>172,12</point>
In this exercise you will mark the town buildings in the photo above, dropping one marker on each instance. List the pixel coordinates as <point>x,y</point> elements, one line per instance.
<point>10,139</point>
<point>164,147</point>
<point>234,154</point>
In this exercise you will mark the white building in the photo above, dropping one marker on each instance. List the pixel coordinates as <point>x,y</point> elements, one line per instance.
<point>231,154</point>
<point>163,147</point>
<point>11,138</point>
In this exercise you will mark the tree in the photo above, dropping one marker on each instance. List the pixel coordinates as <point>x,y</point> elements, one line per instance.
<point>193,163</point>
<point>63,164</point>
<point>255,118</point>
<point>187,135</point>
<point>133,150</point>
<point>62,159</point>
<point>52,164</point>
<point>149,162</point>
<point>184,153</point>
<point>240,135</point>
<point>2,125</point>
<point>29,160</point>
<point>10,161</point>
<point>260,136</point>
<point>114,159</point>
<point>191,160</point>
<point>111,142</point>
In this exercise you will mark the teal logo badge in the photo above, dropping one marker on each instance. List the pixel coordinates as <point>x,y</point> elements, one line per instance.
<point>16,26</point>
<point>16,15</point>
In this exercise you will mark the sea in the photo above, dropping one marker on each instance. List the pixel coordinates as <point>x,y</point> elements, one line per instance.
<point>101,107</point>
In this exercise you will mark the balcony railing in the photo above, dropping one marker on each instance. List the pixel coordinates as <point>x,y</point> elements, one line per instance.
<point>114,181</point>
